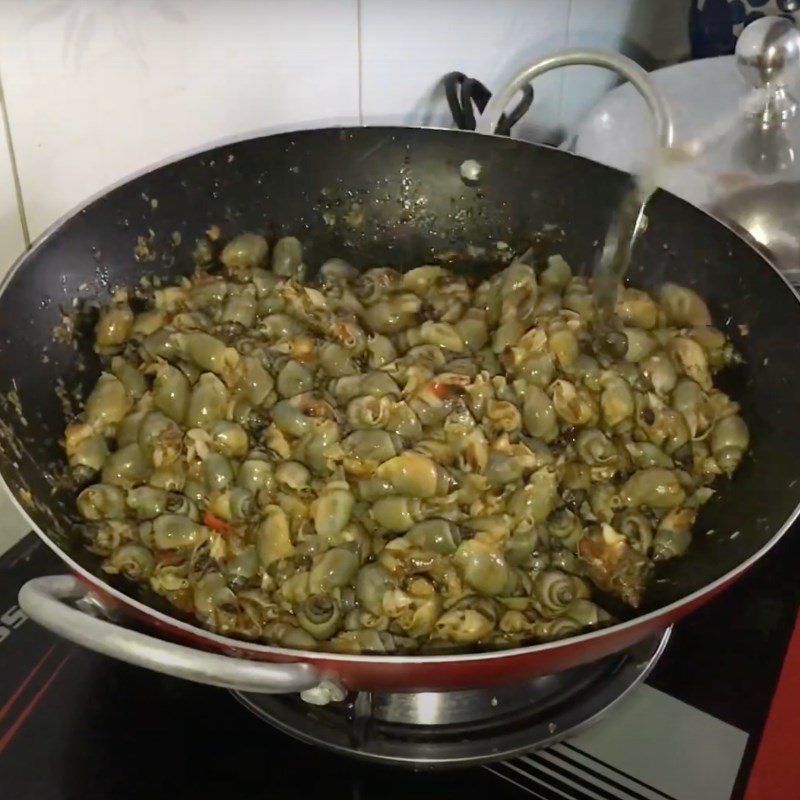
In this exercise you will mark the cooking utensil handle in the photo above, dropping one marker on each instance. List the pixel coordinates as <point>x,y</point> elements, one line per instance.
<point>49,601</point>
<point>616,62</point>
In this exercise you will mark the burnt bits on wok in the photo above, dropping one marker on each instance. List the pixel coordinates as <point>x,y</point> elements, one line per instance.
<point>397,463</point>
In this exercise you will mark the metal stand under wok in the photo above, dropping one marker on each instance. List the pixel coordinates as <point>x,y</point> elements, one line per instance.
<point>430,730</point>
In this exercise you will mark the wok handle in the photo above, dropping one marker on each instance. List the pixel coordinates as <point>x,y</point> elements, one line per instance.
<point>616,62</point>
<point>463,92</point>
<point>49,601</point>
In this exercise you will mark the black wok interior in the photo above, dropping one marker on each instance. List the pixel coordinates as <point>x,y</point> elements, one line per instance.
<point>394,196</point>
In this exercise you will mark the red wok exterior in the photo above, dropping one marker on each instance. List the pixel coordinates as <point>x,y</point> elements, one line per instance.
<point>371,673</point>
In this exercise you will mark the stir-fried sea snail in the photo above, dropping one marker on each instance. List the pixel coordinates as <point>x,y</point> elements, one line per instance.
<point>397,462</point>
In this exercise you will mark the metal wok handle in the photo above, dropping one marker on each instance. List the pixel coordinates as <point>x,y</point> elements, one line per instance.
<point>616,62</point>
<point>48,601</point>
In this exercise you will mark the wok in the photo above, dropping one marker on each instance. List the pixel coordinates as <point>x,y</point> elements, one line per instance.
<point>383,196</point>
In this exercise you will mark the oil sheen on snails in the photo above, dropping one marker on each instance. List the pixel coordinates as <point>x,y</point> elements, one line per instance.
<point>386,462</point>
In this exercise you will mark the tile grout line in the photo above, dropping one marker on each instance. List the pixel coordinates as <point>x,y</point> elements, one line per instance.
<point>360,49</point>
<point>561,76</point>
<point>23,219</point>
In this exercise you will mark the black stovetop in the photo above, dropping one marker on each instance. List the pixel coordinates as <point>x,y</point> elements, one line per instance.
<point>78,726</point>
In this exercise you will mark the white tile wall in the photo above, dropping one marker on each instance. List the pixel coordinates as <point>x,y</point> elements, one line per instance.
<point>653,32</point>
<point>406,52</point>
<point>12,240</point>
<point>406,49</point>
<point>98,88</point>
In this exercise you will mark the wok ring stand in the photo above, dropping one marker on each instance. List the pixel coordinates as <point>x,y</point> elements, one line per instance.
<point>441,730</point>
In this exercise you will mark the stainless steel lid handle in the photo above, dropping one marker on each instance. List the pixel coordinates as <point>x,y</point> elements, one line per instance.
<point>768,56</point>
<point>623,65</point>
<point>49,601</point>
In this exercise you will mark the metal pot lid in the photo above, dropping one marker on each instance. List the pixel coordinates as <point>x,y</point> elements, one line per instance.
<point>744,108</point>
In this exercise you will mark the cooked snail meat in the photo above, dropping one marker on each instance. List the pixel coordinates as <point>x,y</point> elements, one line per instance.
<point>387,462</point>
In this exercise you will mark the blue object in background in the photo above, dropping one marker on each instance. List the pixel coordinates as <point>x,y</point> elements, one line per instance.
<point>714,25</point>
